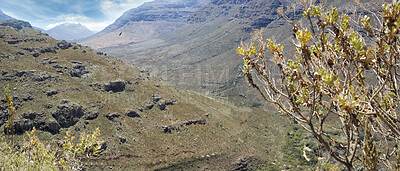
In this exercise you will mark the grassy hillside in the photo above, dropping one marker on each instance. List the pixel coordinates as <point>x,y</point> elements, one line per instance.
<point>59,86</point>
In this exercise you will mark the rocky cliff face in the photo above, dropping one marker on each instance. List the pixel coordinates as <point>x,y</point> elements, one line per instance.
<point>149,20</point>
<point>69,31</point>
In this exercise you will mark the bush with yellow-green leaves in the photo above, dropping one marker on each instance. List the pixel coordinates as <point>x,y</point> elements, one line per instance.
<point>342,84</point>
<point>35,155</point>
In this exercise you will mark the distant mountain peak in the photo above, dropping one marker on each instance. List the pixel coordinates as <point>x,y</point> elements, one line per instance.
<point>149,20</point>
<point>69,31</point>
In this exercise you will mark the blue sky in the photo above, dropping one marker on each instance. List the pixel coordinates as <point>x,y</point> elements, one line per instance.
<point>94,14</point>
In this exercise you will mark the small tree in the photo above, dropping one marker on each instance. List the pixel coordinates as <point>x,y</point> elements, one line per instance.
<point>342,76</point>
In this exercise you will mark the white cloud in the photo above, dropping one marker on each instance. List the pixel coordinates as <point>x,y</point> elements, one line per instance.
<point>39,14</point>
<point>114,9</point>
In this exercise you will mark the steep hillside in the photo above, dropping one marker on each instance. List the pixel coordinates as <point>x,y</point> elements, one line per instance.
<point>4,17</point>
<point>59,86</point>
<point>201,54</point>
<point>147,21</point>
<point>69,31</point>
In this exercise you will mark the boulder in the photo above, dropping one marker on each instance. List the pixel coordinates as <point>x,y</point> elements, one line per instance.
<point>36,54</point>
<point>156,98</point>
<point>111,116</point>
<point>115,86</point>
<point>51,92</point>
<point>38,120</point>
<point>64,45</point>
<point>68,114</point>
<point>78,70</point>
<point>161,105</point>
<point>148,106</point>
<point>132,114</point>
<point>91,116</point>
<point>49,49</point>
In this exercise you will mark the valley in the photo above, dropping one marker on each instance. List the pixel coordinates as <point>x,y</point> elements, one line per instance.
<point>163,83</point>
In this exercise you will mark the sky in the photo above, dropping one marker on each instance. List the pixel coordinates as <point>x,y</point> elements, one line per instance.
<point>46,14</point>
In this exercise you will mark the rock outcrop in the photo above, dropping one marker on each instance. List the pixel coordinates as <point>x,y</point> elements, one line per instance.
<point>115,86</point>
<point>78,70</point>
<point>38,120</point>
<point>68,113</point>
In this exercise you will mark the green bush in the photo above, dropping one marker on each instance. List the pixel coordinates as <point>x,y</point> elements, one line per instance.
<point>343,77</point>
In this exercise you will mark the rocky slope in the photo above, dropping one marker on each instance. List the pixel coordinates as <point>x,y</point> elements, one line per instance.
<point>69,32</point>
<point>59,86</point>
<point>201,55</point>
<point>4,17</point>
<point>147,21</point>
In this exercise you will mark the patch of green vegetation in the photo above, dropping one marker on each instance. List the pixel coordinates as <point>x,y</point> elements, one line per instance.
<point>299,151</point>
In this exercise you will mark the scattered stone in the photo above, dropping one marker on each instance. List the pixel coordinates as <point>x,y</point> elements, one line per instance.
<point>83,51</point>
<point>64,45</point>
<point>200,121</point>
<point>170,128</point>
<point>51,92</point>
<point>20,53</point>
<point>148,106</point>
<point>156,98</point>
<point>48,106</point>
<point>91,116</point>
<point>112,116</point>
<point>115,86</point>
<point>64,101</point>
<point>169,102</point>
<point>36,54</point>
<point>78,70</point>
<point>86,122</point>
<point>122,140</point>
<point>52,62</point>
<point>132,114</point>
<point>76,62</point>
<point>13,42</point>
<point>161,105</point>
<point>49,49</point>
<point>57,66</point>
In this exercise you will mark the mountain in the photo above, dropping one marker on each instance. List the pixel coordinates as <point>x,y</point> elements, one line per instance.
<point>58,86</point>
<point>4,17</point>
<point>69,31</point>
<point>38,28</point>
<point>147,21</point>
<point>200,55</point>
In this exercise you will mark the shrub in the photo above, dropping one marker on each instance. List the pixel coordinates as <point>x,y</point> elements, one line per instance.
<point>343,76</point>
<point>34,155</point>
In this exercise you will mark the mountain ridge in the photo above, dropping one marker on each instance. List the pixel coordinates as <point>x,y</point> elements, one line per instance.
<point>69,31</point>
<point>149,20</point>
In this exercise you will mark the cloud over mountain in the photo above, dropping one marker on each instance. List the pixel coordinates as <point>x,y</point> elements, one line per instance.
<point>93,14</point>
